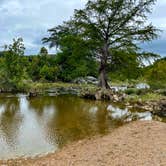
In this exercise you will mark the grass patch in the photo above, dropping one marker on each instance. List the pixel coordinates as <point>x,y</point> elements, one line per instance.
<point>46,86</point>
<point>157,84</point>
<point>145,97</point>
<point>136,91</point>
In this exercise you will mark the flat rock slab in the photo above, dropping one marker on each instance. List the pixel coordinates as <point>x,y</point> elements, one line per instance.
<point>140,143</point>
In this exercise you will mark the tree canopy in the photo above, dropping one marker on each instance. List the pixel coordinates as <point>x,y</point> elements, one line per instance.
<point>107,26</point>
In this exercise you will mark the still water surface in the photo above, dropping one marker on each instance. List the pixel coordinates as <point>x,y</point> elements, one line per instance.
<point>35,126</point>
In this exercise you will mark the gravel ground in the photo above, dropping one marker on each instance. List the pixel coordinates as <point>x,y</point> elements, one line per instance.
<point>140,143</point>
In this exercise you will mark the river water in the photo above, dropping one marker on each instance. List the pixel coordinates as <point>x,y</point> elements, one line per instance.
<point>40,125</point>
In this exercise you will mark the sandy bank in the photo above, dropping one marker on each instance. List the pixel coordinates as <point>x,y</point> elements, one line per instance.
<point>140,143</point>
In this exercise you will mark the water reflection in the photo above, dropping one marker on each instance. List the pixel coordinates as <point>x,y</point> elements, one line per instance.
<point>10,121</point>
<point>127,115</point>
<point>69,118</point>
<point>44,124</point>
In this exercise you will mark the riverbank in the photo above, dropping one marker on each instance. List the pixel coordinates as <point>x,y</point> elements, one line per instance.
<point>138,143</point>
<point>132,97</point>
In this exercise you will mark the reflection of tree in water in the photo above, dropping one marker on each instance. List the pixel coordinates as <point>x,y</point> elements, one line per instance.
<point>68,118</point>
<point>76,118</point>
<point>40,103</point>
<point>10,119</point>
<point>10,104</point>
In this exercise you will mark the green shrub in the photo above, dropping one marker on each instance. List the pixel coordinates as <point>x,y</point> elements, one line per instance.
<point>130,91</point>
<point>136,91</point>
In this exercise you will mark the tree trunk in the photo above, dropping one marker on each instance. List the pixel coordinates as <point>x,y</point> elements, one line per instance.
<point>103,66</point>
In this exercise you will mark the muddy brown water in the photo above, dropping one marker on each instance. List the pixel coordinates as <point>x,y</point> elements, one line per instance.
<point>40,125</point>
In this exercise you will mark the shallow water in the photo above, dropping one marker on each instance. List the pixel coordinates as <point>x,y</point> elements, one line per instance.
<point>36,126</point>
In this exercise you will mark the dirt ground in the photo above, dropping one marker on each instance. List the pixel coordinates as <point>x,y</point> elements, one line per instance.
<point>140,143</point>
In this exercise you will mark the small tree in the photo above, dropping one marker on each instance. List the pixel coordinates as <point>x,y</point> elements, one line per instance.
<point>14,71</point>
<point>43,51</point>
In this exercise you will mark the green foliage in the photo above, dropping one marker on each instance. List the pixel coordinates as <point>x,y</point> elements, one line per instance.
<point>13,73</point>
<point>124,65</point>
<point>48,73</point>
<point>2,54</point>
<point>156,74</point>
<point>43,51</point>
<point>101,37</point>
<point>107,26</point>
<point>76,57</point>
<point>145,97</point>
<point>116,23</point>
<point>147,57</point>
<point>135,91</point>
<point>75,60</point>
<point>42,68</point>
<point>130,91</point>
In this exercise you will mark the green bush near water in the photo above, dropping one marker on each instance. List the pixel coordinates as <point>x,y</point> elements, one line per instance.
<point>135,91</point>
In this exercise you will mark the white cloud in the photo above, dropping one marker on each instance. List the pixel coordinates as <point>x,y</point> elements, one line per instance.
<point>30,19</point>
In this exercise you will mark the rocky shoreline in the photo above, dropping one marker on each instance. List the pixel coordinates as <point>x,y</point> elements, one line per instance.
<point>156,107</point>
<point>89,91</point>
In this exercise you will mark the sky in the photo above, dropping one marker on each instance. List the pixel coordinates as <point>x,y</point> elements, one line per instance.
<point>30,19</point>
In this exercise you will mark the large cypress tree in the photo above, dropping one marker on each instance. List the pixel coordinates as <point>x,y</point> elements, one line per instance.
<point>109,25</point>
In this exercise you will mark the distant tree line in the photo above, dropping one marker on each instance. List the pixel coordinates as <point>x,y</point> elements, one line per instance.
<point>17,70</point>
